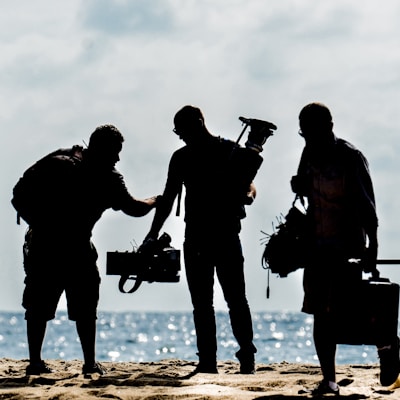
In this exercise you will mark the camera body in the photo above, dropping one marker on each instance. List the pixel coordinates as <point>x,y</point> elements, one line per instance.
<point>157,261</point>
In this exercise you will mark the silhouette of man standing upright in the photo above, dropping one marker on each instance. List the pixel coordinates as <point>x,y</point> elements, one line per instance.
<point>334,177</point>
<point>217,176</point>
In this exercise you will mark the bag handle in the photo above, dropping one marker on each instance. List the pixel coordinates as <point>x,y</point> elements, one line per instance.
<point>123,280</point>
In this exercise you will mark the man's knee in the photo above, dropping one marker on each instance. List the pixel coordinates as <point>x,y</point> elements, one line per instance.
<point>239,303</point>
<point>39,315</point>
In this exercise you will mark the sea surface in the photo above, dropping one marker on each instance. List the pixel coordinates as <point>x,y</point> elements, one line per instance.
<point>153,336</point>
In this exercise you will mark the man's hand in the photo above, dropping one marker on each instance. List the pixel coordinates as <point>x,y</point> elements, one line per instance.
<point>152,201</point>
<point>148,245</point>
<point>250,195</point>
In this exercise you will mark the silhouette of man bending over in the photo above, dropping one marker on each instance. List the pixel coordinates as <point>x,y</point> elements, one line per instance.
<point>72,188</point>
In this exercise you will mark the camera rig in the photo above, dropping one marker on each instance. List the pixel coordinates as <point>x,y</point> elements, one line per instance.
<point>154,261</point>
<point>259,126</point>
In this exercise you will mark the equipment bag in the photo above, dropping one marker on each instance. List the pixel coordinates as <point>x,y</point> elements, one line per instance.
<point>367,313</point>
<point>286,249</point>
<point>34,185</point>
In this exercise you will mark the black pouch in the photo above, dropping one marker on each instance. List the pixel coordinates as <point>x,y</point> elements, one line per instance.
<point>286,249</point>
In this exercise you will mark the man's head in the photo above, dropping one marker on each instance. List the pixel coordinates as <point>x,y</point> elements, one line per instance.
<point>316,124</point>
<point>105,144</point>
<point>189,124</point>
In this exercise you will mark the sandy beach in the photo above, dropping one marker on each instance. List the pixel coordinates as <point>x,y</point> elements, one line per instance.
<point>173,379</point>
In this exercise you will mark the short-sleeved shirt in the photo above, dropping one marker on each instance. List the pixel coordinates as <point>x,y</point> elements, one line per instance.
<point>74,195</point>
<point>216,177</point>
<point>340,196</point>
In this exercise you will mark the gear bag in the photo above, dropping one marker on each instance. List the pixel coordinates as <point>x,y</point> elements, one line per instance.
<point>30,190</point>
<point>286,249</point>
<point>367,312</point>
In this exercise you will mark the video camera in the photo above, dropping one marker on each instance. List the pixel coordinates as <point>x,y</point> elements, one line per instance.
<point>154,261</point>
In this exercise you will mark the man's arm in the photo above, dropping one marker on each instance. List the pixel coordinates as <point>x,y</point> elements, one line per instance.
<point>122,200</point>
<point>371,254</point>
<point>163,210</point>
<point>367,209</point>
<point>164,205</point>
<point>138,208</point>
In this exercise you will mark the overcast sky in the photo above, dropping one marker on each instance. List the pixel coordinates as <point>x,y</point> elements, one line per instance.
<point>67,67</point>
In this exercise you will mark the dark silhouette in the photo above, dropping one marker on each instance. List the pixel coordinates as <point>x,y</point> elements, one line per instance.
<point>334,177</point>
<point>217,175</point>
<point>68,191</point>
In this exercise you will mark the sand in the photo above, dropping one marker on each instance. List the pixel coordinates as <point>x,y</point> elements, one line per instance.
<point>172,379</point>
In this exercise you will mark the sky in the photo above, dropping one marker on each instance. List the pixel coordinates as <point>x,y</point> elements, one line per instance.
<point>67,67</point>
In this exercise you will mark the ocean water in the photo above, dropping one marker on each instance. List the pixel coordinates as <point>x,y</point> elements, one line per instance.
<point>152,336</point>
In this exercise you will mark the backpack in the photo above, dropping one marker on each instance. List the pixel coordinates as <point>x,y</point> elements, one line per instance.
<point>31,188</point>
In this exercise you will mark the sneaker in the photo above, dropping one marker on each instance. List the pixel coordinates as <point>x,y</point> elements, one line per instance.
<point>248,368</point>
<point>389,363</point>
<point>324,388</point>
<point>247,363</point>
<point>95,368</point>
<point>38,368</point>
<point>206,368</point>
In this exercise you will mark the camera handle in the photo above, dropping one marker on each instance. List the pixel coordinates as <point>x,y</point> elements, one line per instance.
<point>123,280</point>
<point>375,275</point>
<point>246,122</point>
